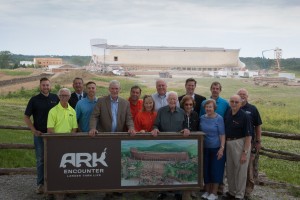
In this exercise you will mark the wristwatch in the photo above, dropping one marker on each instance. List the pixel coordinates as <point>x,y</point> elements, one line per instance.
<point>245,151</point>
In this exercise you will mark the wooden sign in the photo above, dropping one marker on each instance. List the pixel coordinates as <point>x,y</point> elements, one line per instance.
<point>119,162</point>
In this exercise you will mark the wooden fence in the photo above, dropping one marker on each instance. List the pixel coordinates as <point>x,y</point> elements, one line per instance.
<point>276,154</point>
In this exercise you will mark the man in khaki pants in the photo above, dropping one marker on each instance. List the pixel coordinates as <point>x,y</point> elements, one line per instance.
<point>238,142</point>
<point>256,123</point>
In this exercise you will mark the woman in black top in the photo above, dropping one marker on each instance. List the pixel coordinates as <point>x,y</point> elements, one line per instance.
<point>191,118</point>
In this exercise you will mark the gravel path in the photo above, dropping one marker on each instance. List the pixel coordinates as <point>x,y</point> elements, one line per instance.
<point>15,187</point>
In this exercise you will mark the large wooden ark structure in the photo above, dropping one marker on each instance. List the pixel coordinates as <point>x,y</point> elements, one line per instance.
<point>163,58</point>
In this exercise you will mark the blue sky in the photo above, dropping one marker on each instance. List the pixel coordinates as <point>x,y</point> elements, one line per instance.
<point>57,27</point>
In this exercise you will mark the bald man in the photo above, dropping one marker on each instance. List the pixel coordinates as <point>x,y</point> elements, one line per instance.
<point>256,123</point>
<point>238,142</point>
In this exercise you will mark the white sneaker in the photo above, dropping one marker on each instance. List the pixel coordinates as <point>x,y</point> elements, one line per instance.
<point>205,195</point>
<point>212,197</point>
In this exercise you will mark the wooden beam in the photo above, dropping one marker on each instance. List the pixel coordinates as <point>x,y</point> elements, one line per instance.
<point>281,152</point>
<point>14,127</point>
<point>270,155</point>
<point>21,170</point>
<point>290,136</point>
<point>16,146</point>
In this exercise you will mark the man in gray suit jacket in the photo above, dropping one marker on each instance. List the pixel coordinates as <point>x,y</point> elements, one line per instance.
<point>112,113</point>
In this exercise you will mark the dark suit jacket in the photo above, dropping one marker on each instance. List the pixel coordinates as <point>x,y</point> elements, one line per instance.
<point>198,99</point>
<point>74,99</point>
<point>103,116</point>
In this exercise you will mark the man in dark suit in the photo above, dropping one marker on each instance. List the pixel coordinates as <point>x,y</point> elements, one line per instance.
<point>78,94</point>
<point>190,86</point>
<point>112,113</point>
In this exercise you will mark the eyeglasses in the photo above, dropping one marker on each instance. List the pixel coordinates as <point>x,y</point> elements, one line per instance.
<point>188,104</point>
<point>234,102</point>
<point>64,96</point>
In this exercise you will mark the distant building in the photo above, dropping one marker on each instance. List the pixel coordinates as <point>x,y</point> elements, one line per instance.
<point>163,58</point>
<point>247,74</point>
<point>45,62</point>
<point>290,76</point>
<point>26,63</point>
<point>64,68</point>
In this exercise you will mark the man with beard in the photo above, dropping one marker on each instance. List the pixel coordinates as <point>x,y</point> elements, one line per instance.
<point>136,104</point>
<point>39,107</point>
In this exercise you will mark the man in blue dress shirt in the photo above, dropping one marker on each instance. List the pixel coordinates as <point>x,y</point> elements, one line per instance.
<point>85,107</point>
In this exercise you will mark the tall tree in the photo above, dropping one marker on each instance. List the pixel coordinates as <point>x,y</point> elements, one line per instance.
<point>5,57</point>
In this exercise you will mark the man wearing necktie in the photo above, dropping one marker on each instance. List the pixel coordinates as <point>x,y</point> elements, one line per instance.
<point>78,94</point>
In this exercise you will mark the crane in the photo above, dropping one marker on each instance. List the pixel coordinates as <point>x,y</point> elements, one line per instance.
<point>277,57</point>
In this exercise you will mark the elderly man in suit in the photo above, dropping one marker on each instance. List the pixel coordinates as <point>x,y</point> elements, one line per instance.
<point>112,113</point>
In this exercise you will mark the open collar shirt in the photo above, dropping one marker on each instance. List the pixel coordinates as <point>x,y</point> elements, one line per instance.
<point>114,111</point>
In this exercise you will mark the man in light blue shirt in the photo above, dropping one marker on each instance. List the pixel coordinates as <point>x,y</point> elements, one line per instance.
<point>85,107</point>
<point>160,97</point>
<point>222,104</point>
<point>111,113</point>
<point>114,103</point>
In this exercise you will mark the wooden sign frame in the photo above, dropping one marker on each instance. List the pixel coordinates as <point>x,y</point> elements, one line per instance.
<point>118,162</point>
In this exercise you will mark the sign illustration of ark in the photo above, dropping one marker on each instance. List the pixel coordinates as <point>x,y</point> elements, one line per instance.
<point>159,162</point>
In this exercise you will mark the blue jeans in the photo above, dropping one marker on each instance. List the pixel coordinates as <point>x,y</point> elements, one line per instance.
<point>39,153</point>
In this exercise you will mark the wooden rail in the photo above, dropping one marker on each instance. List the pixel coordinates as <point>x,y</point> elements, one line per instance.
<point>16,146</point>
<point>289,136</point>
<point>264,151</point>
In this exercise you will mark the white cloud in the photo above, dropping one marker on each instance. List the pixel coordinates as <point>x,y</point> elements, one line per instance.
<point>60,27</point>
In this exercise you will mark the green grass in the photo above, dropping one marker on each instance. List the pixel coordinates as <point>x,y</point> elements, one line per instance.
<point>12,158</point>
<point>279,107</point>
<point>15,73</point>
<point>281,170</point>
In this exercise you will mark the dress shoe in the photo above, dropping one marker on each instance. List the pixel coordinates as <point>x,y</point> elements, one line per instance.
<point>161,196</point>
<point>178,196</point>
<point>229,196</point>
<point>39,189</point>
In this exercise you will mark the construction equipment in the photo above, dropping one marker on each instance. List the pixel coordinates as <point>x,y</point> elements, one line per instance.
<point>277,57</point>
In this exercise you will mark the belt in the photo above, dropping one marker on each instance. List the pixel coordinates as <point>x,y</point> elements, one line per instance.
<point>233,138</point>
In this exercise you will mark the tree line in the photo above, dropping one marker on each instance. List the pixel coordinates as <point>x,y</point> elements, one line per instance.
<point>266,63</point>
<point>9,60</point>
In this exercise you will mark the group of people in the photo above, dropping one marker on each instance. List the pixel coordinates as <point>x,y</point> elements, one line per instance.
<point>232,130</point>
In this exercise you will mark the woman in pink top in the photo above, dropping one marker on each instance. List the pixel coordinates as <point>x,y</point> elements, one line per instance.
<point>144,120</point>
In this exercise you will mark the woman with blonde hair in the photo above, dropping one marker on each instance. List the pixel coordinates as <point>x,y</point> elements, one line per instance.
<point>144,120</point>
